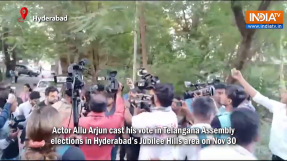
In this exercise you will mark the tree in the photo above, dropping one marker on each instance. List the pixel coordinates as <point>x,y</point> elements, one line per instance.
<point>243,52</point>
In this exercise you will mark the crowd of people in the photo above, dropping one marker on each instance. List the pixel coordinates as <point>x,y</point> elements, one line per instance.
<point>230,106</point>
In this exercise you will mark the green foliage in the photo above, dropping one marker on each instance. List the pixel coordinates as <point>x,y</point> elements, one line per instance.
<point>185,39</point>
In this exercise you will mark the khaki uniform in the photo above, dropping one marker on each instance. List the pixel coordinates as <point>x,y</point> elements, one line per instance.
<point>64,108</point>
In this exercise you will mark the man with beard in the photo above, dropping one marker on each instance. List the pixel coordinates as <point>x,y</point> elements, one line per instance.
<point>52,96</point>
<point>64,106</point>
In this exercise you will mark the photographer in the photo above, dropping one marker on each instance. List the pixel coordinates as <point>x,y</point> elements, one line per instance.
<point>8,137</point>
<point>161,115</point>
<point>131,151</point>
<point>97,119</point>
<point>182,112</point>
<point>278,128</point>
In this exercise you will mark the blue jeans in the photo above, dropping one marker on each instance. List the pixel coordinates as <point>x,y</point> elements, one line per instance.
<point>114,152</point>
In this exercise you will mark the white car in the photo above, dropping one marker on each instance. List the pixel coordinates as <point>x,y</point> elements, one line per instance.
<point>36,70</point>
<point>46,74</point>
<point>46,82</point>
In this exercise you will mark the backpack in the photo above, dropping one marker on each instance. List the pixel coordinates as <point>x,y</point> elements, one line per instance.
<point>224,119</point>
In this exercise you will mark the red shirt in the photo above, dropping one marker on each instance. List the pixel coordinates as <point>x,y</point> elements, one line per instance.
<point>99,120</point>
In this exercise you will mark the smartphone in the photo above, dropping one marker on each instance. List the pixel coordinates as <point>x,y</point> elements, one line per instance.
<point>178,104</point>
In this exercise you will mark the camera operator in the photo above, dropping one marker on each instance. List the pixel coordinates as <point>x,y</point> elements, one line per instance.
<point>131,151</point>
<point>52,96</point>
<point>161,115</point>
<point>8,137</point>
<point>97,119</point>
<point>183,113</point>
<point>100,88</point>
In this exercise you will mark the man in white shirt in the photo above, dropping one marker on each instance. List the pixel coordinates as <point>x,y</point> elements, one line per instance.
<point>278,134</point>
<point>26,107</point>
<point>203,112</point>
<point>161,115</point>
<point>246,124</point>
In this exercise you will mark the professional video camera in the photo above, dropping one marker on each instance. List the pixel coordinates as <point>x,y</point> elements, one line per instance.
<point>75,82</point>
<point>147,81</point>
<point>15,122</point>
<point>113,85</point>
<point>142,101</point>
<point>203,89</point>
<point>75,79</point>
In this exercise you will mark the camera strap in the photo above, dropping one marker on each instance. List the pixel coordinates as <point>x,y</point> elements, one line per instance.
<point>163,109</point>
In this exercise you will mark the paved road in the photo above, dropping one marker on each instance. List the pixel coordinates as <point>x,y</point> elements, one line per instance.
<point>24,80</point>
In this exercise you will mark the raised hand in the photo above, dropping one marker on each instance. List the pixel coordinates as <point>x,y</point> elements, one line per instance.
<point>236,74</point>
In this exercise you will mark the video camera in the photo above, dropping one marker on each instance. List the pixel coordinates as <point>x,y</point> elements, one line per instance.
<point>15,122</point>
<point>75,82</point>
<point>203,89</point>
<point>113,85</point>
<point>142,101</point>
<point>147,81</point>
<point>75,79</point>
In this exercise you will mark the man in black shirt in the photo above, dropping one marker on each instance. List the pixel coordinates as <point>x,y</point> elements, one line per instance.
<point>52,96</point>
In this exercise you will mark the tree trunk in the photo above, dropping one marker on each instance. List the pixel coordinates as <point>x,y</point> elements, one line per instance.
<point>10,64</point>
<point>282,59</point>
<point>95,66</point>
<point>143,35</point>
<point>64,64</point>
<point>243,52</point>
